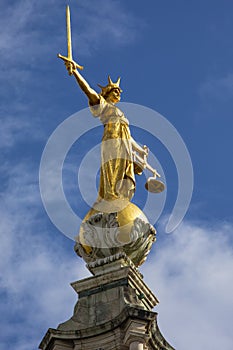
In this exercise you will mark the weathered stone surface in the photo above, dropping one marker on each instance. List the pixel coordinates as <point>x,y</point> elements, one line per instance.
<point>131,326</point>
<point>113,312</point>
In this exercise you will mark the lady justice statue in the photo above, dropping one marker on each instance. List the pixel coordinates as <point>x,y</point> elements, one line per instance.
<point>117,180</point>
<point>114,224</point>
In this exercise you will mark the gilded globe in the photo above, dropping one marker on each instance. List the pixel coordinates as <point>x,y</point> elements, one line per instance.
<point>113,227</point>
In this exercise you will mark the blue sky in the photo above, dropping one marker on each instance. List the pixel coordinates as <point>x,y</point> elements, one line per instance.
<point>175,57</point>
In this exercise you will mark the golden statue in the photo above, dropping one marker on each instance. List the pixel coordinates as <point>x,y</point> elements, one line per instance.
<point>117,171</point>
<point>117,180</point>
<point>121,156</point>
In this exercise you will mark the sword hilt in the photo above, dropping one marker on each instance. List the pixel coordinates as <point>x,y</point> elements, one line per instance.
<point>73,64</point>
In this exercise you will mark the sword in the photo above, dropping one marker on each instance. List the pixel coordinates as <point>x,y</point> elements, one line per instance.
<point>73,65</point>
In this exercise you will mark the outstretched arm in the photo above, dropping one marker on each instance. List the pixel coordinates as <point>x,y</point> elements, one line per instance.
<point>91,94</point>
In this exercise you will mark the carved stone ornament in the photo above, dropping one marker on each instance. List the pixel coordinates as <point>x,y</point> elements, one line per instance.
<point>101,236</point>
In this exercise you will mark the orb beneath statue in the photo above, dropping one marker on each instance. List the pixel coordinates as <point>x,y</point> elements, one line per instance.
<point>111,227</point>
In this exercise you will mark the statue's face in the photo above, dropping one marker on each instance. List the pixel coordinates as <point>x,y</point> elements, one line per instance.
<point>114,95</point>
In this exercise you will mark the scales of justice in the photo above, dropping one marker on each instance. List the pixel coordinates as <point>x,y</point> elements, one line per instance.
<point>114,224</point>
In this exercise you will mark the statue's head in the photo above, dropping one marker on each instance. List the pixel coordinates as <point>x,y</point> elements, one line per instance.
<point>112,91</point>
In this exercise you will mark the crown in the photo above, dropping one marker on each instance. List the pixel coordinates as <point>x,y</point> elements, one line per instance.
<point>106,89</point>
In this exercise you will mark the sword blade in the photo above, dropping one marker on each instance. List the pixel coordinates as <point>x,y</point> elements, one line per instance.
<point>70,64</point>
<point>68,28</point>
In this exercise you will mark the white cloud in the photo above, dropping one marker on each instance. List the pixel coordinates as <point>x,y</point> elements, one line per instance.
<point>12,130</point>
<point>216,96</point>
<point>105,22</point>
<point>35,271</point>
<point>32,29</point>
<point>14,19</point>
<point>191,274</point>
<point>218,88</point>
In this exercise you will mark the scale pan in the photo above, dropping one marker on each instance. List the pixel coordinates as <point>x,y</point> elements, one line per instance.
<point>154,186</point>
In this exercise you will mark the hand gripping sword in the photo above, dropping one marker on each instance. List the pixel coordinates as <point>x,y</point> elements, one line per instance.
<point>73,65</point>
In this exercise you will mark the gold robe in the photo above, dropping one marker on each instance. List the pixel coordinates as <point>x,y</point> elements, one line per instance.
<point>117,179</point>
